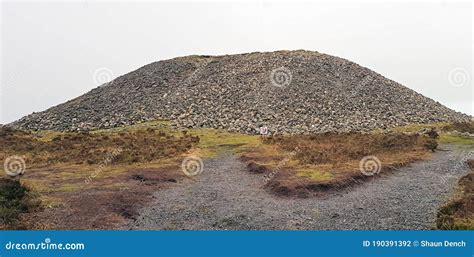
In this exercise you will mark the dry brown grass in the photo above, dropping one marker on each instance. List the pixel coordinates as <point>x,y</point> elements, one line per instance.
<point>105,203</point>
<point>337,149</point>
<point>460,127</point>
<point>79,190</point>
<point>88,148</point>
<point>58,163</point>
<point>458,213</point>
<point>81,183</point>
<point>311,164</point>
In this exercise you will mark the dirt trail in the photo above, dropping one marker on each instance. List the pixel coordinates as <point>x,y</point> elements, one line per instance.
<point>226,196</point>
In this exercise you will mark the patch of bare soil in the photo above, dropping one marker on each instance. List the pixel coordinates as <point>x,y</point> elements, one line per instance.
<point>256,168</point>
<point>100,207</point>
<point>86,180</point>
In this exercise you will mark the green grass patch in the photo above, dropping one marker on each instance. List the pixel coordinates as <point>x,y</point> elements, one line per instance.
<point>212,141</point>
<point>455,139</point>
<point>314,174</point>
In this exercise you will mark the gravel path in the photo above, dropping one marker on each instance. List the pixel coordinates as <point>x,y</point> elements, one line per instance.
<point>226,196</point>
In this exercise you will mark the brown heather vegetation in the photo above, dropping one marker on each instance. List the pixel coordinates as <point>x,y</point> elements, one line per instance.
<point>458,213</point>
<point>92,148</point>
<point>329,148</point>
<point>321,162</point>
<point>59,163</point>
<point>78,179</point>
<point>464,127</point>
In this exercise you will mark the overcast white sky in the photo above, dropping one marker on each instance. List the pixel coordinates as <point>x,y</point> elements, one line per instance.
<point>51,50</point>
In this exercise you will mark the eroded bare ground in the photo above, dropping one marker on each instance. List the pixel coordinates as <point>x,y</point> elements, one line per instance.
<point>102,206</point>
<point>227,196</point>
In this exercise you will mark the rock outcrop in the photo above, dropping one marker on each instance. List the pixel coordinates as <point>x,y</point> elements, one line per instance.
<point>285,91</point>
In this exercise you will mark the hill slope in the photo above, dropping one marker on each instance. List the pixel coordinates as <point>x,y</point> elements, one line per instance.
<point>287,91</point>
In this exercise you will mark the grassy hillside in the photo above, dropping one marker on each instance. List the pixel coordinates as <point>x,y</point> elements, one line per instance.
<point>115,171</point>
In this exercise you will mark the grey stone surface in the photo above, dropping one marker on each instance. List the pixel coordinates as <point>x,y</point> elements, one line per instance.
<point>226,196</point>
<point>287,91</point>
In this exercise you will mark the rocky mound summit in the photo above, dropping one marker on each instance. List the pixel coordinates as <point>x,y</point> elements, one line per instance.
<point>285,91</point>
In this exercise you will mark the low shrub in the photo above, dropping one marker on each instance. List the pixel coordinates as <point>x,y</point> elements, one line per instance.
<point>94,148</point>
<point>330,148</point>
<point>15,199</point>
<point>463,127</point>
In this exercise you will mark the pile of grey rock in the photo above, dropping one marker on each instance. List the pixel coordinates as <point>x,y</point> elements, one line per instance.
<point>284,91</point>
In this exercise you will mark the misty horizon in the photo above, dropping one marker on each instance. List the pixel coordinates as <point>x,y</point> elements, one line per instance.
<point>46,63</point>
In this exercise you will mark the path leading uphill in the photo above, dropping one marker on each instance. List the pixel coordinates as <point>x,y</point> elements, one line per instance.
<point>226,196</point>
